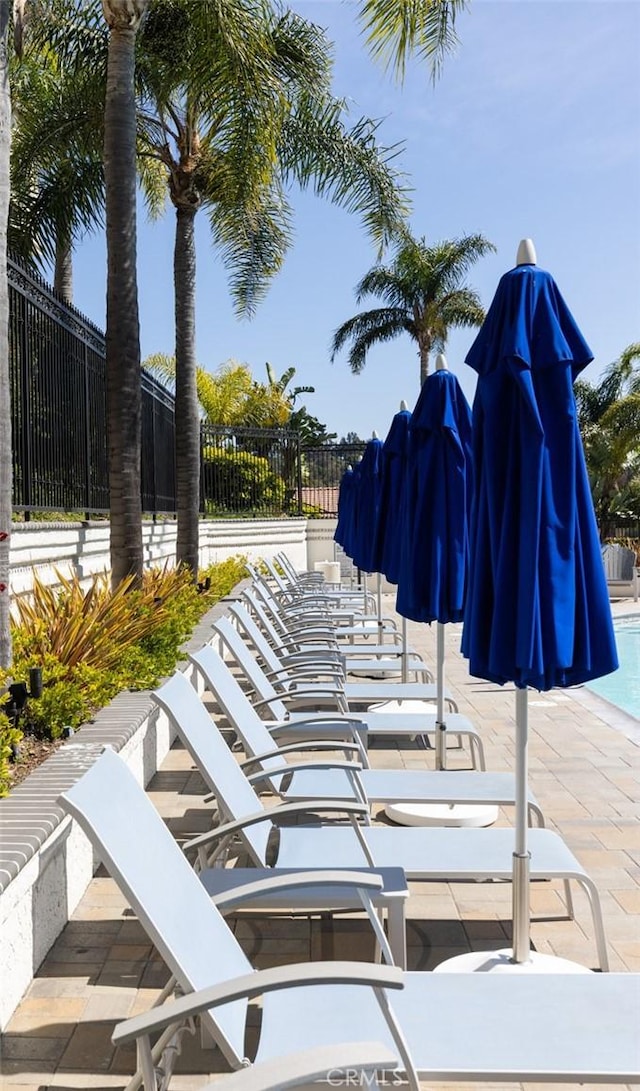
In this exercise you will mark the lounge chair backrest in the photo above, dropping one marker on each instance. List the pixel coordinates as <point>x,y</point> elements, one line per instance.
<point>250,667</point>
<point>213,757</point>
<point>237,708</point>
<point>261,589</point>
<point>264,610</point>
<point>247,625</point>
<point>161,887</point>
<point>280,582</point>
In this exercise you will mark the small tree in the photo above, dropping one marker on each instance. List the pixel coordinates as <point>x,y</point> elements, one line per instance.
<point>424,295</point>
<point>609,419</point>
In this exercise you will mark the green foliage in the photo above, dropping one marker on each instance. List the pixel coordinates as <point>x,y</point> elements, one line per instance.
<point>9,737</point>
<point>609,420</point>
<point>143,634</point>
<point>241,481</point>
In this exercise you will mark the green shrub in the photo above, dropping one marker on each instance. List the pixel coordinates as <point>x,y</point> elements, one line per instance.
<point>240,481</point>
<point>91,644</point>
<point>9,737</point>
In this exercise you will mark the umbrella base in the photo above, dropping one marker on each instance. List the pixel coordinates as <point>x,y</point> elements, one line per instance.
<point>501,962</point>
<point>442,814</point>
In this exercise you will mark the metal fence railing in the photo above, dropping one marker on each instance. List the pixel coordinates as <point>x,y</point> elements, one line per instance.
<point>58,399</point>
<point>59,421</point>
<point>250,472</point>
<point>323,468</point>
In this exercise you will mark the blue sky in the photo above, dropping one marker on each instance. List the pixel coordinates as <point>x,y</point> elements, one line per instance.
<point>533,130</point>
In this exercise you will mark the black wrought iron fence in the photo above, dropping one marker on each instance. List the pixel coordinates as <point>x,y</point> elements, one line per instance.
<point>250,472</point>
<point>322,469</point>
<point>58,397</point>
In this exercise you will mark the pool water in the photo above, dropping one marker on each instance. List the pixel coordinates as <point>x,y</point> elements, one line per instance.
<point>622,687</point>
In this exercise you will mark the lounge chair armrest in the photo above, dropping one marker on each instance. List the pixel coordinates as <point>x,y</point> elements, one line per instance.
<point>293,767</point>
<point>307,625</point>
<point>275,814</point>
<point>325,719</point>
<point>321,693</point>
<point>311,654</point>
<point>324,689</point>
<point>305,672</point>
<point>360,1059</point>
<point>279,883</point>
<point>350,728</point>
<point>256,984</point>
<point>301,747</point>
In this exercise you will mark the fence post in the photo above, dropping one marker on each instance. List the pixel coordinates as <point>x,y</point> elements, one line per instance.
<point>299,465</point>
<point>25,398</point>
<point>87,435</point>
<point>155,460</point>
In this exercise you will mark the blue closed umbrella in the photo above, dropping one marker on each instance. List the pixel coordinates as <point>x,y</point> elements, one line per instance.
<point>537,610</point>
<point>345,506</point>
<point>367,506</point>
<point>433,576</point>
<point>349,500</point>
<point>395,450</point>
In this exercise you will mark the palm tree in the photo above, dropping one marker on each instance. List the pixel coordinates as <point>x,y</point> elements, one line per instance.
<point>6,462</point>
<point>336,161</point>
<point>423,294</point>
<point>57,178</point>
<point>231,138</point>
<point>609,419</point>
<point>124,393</point>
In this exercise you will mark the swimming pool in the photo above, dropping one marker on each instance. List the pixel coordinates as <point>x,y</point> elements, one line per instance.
<point>622,687</point>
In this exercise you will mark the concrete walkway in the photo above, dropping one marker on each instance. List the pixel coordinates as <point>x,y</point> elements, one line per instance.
<point>585,771</point>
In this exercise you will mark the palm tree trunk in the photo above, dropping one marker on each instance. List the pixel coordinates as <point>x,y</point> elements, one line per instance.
<point>63,272</point>
<point>187,416</point>
<point>5,392</point>
<point>124,395</point>
<point>424,363</point>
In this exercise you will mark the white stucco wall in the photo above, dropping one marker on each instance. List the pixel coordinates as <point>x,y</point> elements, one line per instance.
<point>83,548</point>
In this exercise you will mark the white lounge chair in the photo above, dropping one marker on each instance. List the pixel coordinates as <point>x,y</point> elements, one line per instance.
<point>292,588</point>
<point>279,659</point>
<point>348,623</point>
<point>301,692</point>
<point>381,719</point>
<point>414,725</point>
<point>453,1027</point>
<point>296,639</point>
<point>349,781</point>
<point>431,854</point>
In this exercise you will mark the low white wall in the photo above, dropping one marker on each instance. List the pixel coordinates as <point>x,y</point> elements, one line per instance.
<point>83,548</point>
<point>320,544</point>
<point>37,902</point>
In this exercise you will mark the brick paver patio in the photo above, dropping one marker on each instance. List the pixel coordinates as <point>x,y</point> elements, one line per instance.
<point>585,771</point>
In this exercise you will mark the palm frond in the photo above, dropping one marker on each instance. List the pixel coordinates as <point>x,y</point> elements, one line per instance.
<point>163,368</point>
<point>253,243</point>
<point>367,329</point>
<point>346,165</point>
<point>387,284</point>
<point>395,29</point>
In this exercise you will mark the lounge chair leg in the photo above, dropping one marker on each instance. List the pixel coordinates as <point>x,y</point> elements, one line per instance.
<point>398,931</point>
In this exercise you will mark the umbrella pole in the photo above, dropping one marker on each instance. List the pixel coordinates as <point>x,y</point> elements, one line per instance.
<point>521,857</point>
<point>405,653</point>
<point>379,601</point>
<point>441,727</point>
